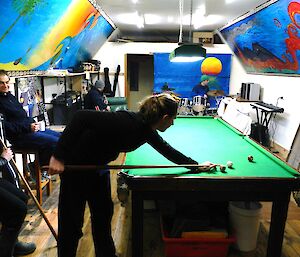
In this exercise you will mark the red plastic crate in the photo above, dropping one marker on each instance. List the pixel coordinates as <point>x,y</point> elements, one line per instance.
<point>196,247</point>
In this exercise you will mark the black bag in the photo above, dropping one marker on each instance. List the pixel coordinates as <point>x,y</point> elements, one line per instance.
<point>260,134</point>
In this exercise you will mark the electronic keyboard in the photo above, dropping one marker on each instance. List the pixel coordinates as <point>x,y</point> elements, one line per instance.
<point>267,107</point>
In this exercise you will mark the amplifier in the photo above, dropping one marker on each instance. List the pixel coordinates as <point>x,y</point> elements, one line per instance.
<point>250,91</point>
<point>65,106</point>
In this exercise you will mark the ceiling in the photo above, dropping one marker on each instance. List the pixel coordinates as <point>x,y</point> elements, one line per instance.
<point>159,20</point>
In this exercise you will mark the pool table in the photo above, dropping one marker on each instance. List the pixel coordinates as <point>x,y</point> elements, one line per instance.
<point>267,178</point>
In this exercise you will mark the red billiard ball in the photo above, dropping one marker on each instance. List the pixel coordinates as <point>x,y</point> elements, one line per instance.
<point>250,158</point>
<point>222,168</point>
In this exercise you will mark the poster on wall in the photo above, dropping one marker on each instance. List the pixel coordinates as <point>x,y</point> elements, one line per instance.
<point>43,34</point>
<point>209,77</point>
<point>30,96</point>
<point>267,41</point>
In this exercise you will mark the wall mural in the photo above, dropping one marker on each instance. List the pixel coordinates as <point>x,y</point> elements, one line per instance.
<point>268,41</point>
<point>40,34</point>
<point>185,79</point>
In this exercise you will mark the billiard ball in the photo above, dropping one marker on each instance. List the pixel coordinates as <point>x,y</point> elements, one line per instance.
<point>222,168</point>
<point>229,164</point>
<point>250,158</point>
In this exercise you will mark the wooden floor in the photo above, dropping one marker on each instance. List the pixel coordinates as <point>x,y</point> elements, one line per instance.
<point>36,230</point>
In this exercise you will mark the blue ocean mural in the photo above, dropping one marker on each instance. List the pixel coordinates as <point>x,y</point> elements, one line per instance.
<point>268,41</point>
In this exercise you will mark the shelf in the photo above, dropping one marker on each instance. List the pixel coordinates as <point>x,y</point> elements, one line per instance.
<point>62,75</point>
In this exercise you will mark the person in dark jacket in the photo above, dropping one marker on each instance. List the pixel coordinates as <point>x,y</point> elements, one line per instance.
<point>95,99</point>
<point>23,131</point>
<point>202,88</point>
<point>13,209</point>
<point>96,138</point>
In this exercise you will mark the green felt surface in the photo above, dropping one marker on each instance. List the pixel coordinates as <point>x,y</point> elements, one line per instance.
<point>209,139</point>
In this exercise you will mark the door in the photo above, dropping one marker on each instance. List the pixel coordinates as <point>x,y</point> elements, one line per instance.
<point>139,79</point>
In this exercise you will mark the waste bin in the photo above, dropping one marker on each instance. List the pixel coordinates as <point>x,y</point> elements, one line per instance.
<point>244,220</point>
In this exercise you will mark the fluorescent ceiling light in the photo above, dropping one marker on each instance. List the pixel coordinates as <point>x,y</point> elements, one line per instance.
<point>127,18</point>
<point>199,21</point>
<point>140,22</point>
<point>134,1</point>
<point>131,18</point>
<point>186,20</point>
<point>230,1</point>
<point>170,19</point>
<point>201,10</point>
<point>151,19</point>
<point>188,53</point>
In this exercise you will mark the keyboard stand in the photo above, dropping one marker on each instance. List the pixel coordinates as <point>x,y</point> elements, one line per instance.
<point>264,117</point>
<point>261,131</point>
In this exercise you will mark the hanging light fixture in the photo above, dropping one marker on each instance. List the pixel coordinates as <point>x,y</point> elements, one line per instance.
<point>187,52</point>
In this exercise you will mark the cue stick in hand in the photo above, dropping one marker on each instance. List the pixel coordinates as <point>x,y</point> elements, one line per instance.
<point>15,168</point>
<point>130,167</point>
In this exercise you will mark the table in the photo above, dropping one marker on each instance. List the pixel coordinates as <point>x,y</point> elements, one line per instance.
<point>267,178</point>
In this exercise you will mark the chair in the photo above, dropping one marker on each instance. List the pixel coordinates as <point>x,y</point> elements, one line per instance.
<point>40,185</point>
<point>117,103</point>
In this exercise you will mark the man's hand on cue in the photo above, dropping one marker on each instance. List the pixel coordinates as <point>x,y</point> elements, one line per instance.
<point>55,166</point>
<point>205,167</point>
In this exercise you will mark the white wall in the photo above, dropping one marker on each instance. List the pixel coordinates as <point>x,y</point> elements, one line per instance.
<point>285,125</point>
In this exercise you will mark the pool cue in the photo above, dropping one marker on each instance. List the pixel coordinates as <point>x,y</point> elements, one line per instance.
<point>15,168</point>
<point>130,167</point>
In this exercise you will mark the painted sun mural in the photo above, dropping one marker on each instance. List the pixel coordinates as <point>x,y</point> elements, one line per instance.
<point>182,77</point>
<point>40,34</point>
<point>268,41</point>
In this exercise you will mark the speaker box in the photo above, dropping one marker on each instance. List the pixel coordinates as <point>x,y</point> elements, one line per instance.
<point>250,91</point>
<point>65,106</point>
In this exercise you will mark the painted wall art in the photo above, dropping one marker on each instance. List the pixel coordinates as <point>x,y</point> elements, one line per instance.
<point>184,79</point>
<point>268,41</point>
<point>43,34</point>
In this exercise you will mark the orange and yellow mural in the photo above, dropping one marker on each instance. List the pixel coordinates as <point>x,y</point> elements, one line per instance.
<point>40,34</point>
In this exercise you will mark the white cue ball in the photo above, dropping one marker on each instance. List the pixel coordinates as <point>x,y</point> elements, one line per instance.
<point>229,164</point>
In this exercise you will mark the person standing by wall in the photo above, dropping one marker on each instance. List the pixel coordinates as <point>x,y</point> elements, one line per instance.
<point>95,98</point>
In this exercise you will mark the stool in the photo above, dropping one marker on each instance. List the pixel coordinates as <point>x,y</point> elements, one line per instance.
<point>40,185</point>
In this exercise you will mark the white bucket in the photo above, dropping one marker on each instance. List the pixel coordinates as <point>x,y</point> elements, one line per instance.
<point>244,219</point>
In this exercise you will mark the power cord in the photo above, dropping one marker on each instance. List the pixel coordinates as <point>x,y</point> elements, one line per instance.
<point>273,125</point>
<point>279,98</point>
